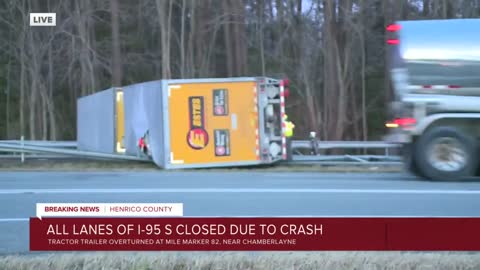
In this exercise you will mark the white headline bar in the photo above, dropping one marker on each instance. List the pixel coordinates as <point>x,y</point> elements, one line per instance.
<point>109,210</point>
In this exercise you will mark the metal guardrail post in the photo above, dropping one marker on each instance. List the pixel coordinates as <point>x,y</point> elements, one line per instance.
<point>313,141</point>
<point>23,152</point>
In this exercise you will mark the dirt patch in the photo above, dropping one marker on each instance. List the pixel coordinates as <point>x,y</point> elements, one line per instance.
<point>241,260</point>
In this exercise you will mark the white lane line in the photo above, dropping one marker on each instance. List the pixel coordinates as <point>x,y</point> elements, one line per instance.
<point>14,219</point>
<point>240,190</point>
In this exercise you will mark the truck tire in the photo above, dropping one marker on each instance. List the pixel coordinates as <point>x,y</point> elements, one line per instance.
<point>446,154</point>
<point>409,161</point>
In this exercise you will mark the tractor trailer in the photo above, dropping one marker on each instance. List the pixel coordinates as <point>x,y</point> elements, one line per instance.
<point>435,72</point>
<point>189,123</point>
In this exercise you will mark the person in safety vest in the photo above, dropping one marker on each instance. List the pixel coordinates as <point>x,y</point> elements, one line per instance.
<point>289,126</point>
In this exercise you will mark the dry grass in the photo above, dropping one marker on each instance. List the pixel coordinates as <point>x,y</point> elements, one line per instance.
<point>72,165</point>
<point>250,261</point>
<point>316,168</point>
<point>95,165</point>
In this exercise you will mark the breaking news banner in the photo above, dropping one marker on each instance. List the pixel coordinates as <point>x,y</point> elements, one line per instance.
<point>109,209</point>
<point>170,231</point>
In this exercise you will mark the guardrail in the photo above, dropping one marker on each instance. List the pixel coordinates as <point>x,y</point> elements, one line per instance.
<point>316,147</point>
<point>344,144</point>
<point>67,149</point>
<point>38,149</point>
<point>56,144</point>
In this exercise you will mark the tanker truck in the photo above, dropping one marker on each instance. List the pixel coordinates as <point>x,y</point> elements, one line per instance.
<point>434,67</point>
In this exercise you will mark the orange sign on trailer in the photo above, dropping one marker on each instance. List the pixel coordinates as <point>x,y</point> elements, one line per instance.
<point>211,122</point>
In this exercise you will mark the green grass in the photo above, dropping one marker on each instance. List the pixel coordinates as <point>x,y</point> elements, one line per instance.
<point>241,260</point>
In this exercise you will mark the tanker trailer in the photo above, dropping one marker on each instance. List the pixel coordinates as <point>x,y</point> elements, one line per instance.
<point>435,72</point>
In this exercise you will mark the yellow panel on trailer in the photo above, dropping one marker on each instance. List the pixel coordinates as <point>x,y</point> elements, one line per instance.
<point>119,122</point>
<point>213,122</point>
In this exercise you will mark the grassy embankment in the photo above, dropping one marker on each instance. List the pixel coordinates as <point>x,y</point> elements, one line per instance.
<point>247,261</point>
<point>96,165</point>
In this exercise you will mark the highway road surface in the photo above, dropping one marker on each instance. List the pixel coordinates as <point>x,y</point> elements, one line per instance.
<point>233,194</point>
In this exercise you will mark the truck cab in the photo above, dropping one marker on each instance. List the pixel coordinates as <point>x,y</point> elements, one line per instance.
<point>435,115</point>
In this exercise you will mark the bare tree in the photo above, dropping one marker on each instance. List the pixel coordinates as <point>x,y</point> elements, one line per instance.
<point>333,51</point>
<point>183,20</point>
<point>164,10</point>
<point>116,59</point>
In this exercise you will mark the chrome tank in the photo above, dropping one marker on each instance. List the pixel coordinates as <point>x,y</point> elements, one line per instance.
<point>436,57</point>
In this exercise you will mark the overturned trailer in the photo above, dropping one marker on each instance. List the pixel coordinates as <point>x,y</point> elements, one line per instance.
<point>193,123</point>
<point>435,71</point>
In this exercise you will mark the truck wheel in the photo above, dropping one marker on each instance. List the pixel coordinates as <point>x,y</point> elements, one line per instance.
<point>445,153</point>
<point>410,164</point>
